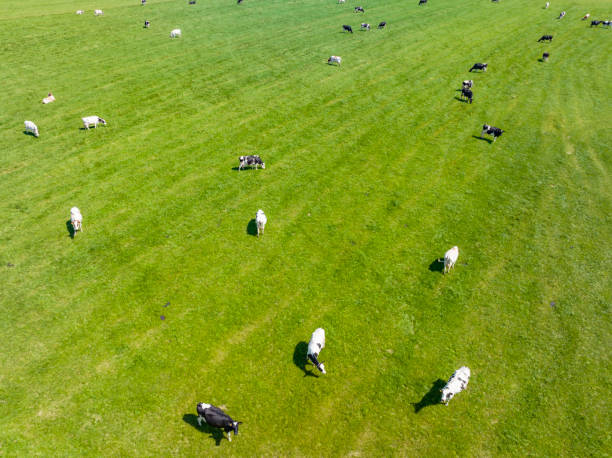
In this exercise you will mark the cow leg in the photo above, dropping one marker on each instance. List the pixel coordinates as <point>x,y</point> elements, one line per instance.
<point>200,421</point>
<point>229,436</point>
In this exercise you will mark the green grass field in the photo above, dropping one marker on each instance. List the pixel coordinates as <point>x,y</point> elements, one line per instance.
<point>373,170</point>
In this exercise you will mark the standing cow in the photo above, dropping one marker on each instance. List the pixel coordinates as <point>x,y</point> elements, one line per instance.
<point>216,418</point>
<point>457,383</point>
<point>490,130</point>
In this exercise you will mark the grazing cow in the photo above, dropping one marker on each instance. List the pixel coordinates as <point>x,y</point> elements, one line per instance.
<point>251,161</point>
<point>98,12</point>
<point>545,57</point>
<point>143,2</point>
<point>50,98</point>
<point>334,59</point>
<point>192,2</point>
<point>595,23</point>
<point>467,84</point>
<point>450,258</point>
<point>79,12</point>
<point>490,130</point>
<point>467,93</point>
<point>382,25</point>
<point>239,2</point>
<point>546,38</point>
<point>547,5</point>
<point>562,15</point>
<point>347,28</point>
<point>261,220</point>
<point>365,25</point>
<point>31,128</point>
<point>479,66</point>
<point>457,383</point>
<point>422,2</point>
<point>76,219</point>
<point>316,344</point>
<point>586,16</point>
<point>147,24</point>
<point>216,418</point>
<point>359,9</point>
<point>176,33</point>
<point>92,121</point>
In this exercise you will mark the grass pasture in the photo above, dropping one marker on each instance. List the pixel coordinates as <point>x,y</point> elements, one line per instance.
<point>373,170</point>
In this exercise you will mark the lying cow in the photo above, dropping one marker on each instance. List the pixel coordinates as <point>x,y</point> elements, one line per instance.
<point>457,383</point>
<point>79,12</point>
<point>562,15</point>
<point>479,66</point>
<point>31,128</point>
<point>382,25</point>
<point>251,161</point>
<point>216,418</point>
<point>546,38</point>
<point>98,12</point>
<point>50,98</point>
<point>334,60</point>
<point>365,26</point>
<point>467,94</point>
<point>359,9</point>
<point>92,121</point>
<point>176,33</point>
<point>347,28</point>
<point>422,2</point>
<point>490,130</point>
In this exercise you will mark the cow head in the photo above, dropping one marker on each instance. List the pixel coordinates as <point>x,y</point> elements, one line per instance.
<point>447,395</point>
<point>102,121</point>
<point>263,165</point>
<point>233,425</point>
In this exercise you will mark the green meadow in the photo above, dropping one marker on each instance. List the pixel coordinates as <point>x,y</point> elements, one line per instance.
<point>374,169</point>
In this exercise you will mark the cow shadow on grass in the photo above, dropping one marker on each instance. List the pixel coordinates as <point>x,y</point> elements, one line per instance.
<point>436,266</point>
<point>27,132</point>
<point>70,229</point>
<point>299,359</point>
<point>215,433</point>
<point>489,141</point>
<point>432,397</point>
<point>461,100</point>
<point>251,228</point>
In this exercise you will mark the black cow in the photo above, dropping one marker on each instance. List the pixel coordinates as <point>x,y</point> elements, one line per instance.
<point>595,23</point>
<point>467,93</point>
<point>216,418</point>
<point>422,2</point>
<point>546,38</point>
<point>359,9</point>
<point>142,2</point>
<point>490,130</point>
<point>251,161</point>
<point>347,28</point>
<point>147,24</point>
<point>192,2</point>
<point>382,25</point>
<point>479,66</point>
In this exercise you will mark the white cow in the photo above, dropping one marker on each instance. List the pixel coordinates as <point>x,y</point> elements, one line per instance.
<point>450,258</point>
<point>31,128</point>
<point>457,383</point>
<point>175,33</point>
<point>586,16</point>
<point>79,12</point>
<point>547,5</point>
<point>316,344</point>
<point>341,1</point>
<point>76,219</point>
<point>334,59</point>
<point>92,121</point>
<point>98,12</point>
<point>261,220</point>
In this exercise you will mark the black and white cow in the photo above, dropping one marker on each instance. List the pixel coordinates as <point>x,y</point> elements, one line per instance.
<point>607,23</point>
<point>479,66</point>
<point>216,418</point>
<point>467,93</point>
<point>490,130</point>
<point>251,161</point>
<point>192,2</point>
<point>562,15</point>
<point>347,28</point>
<point>545,56</point>
<point>595,23</point>
<point>359,9</point>
<point>316,344</point>
<point>545,38</point>
<point>382,25</point>
<point>422,2</point>
<point>365,26</point>
<point>467,84</point>
<point>147,24</point>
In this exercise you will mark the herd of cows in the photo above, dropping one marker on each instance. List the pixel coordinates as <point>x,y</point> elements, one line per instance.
<point>214,416</point>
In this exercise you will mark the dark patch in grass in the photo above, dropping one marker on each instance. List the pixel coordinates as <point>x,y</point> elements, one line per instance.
<point>244,168</point>
<point>461,100</point>
<point>30,133</point>
<point>70,229</point>
<point>10,264</point>
<point>162,317</point>
<point>299,358</point>
<point>251,228</point>
<point>436,266</point>
<point>483,139</point>
<point>167,304</point>
<point>432,397</point>
<point>215,433</point>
